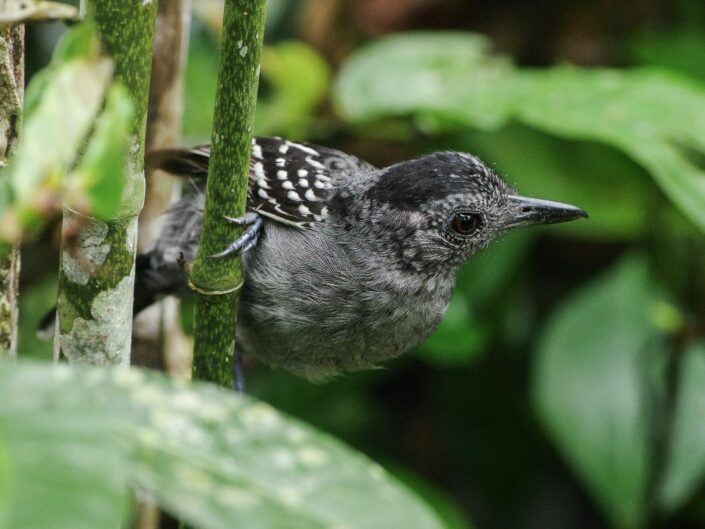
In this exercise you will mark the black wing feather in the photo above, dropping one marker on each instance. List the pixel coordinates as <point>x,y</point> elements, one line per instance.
<point>289,182</point>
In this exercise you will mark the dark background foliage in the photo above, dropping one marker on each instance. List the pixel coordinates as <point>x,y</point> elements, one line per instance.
<point>562,388</point>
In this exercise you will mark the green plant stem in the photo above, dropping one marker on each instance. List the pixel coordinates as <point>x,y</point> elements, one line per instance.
<point>157,339</point>
<point>11,95</point>
<point>96,281</point>
<point>218,281</point>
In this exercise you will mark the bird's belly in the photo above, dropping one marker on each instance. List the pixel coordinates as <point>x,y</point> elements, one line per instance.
<point>322,313</point>
<point>349,336</point>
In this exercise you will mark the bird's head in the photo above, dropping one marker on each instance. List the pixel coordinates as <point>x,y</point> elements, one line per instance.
<point>440,209</point>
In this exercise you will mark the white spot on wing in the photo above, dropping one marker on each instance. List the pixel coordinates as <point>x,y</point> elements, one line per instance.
<point>304,210</point>
<point>302,172</point>
<point>310,196</point>
<point>282,175</point>
<point>314,163</point>
<point>293,195</point>
<point>262,194</point>
<point>307,150</point>
<point>256,150</point>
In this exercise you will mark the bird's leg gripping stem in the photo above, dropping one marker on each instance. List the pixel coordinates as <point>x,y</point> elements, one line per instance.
<point>238,375</point>
<point>248,238</point>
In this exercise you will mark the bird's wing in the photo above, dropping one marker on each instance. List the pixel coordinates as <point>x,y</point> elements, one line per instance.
<point>288,181</point>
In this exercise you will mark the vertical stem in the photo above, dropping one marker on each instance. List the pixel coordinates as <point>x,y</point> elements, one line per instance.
<point>96,281</point>
<point>157,339</point>
<point>156,334</point>
<point>11,95</point>
<point>217,281</point>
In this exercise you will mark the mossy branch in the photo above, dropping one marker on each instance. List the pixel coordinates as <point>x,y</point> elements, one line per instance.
<point>218,281</point>
<point>97,277</point>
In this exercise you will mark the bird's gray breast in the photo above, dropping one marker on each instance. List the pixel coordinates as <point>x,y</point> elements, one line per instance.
<point>316,304</point>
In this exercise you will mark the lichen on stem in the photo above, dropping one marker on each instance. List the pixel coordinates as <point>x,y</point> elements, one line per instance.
<point>11,96</point>
<point>217,281</point>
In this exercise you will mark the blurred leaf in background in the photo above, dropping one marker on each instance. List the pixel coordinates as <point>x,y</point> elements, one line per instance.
<point>448,80</point>
<point>294,84</point>
<point>600,388</point>
<point>603,338</point>
<point>685,468</point>
<point>63,103</point>
<point>618,366</point>
<point>298,81</point>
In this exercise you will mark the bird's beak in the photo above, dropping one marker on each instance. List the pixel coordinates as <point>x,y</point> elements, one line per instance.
<point>530,211</point>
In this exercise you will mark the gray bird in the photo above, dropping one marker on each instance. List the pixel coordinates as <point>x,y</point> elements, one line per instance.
<point>346,265</point>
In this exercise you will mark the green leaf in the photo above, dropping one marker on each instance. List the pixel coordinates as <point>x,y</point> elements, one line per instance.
<point>81,42</point>
<point>298,78</point>
<point>98,175</point>
<point>4,485</point>
<point>595,365</point>
<point>63,104</point>
<point>76,438</point>
<point>449,81</point>
<point>465,331</point>
<point>459,339</point>
<point>686,461</point>
<point>200,84</point>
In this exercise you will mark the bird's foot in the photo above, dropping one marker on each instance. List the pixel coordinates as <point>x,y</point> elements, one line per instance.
<point>238,376</point>
<point>249,236</point>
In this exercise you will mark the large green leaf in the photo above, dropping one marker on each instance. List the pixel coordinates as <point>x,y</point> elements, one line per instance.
<point>76,438</point>
<point>593,387</point>
<point>448,80</point>
<point>686,463</point>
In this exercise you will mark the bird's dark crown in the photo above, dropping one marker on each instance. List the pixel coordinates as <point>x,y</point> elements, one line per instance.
<point>431,178</point>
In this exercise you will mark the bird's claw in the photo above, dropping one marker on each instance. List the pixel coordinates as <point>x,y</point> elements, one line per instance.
<point>249,236</point>
<point>238,375</point>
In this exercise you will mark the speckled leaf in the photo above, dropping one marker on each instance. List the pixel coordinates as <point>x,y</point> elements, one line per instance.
<point>447,81</point>
<point>593,377</point>
<point>686,463</point>
<point>212,458</point>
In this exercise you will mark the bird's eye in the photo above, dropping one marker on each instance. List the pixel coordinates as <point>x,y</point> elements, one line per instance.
<point>466,223</point>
